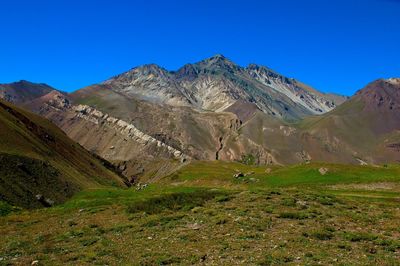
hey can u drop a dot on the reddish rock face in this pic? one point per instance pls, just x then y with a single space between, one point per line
381 94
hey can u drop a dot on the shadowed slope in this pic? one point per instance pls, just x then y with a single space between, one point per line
37 158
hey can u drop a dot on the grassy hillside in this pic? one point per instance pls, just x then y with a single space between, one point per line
315 214
38 158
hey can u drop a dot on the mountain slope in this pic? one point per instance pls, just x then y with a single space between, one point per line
134 133
23 91
368 125
40 165
153 119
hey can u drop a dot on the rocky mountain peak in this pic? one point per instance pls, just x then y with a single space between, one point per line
22 91
150 69
22 82
218 62
25 84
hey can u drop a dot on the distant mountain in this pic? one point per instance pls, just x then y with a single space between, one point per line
367 126
23 91
216 83
40 165
148 121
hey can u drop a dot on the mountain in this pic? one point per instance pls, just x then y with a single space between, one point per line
216 83
23 91
40 165
149 121
134 133
367 127
364 129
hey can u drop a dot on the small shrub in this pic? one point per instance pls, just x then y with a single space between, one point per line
290 202
275 193
88 242
222 198
293 215
197 209
344 246
5 208
322 235
269 210
308 255
248 159
357 237
119 228
329 229
221 220
388 244
326 200
276 260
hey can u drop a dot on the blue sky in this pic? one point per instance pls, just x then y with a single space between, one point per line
335 46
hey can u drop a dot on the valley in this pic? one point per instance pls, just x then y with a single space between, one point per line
213 132
211 164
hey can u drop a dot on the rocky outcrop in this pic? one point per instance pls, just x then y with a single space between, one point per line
126 129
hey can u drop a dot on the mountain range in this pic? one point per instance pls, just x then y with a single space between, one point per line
148 120
216 83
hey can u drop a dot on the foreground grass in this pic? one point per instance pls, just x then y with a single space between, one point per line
202 215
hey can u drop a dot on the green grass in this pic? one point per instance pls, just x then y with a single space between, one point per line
203 215
95 198
6 208
298 175
186 200
293 215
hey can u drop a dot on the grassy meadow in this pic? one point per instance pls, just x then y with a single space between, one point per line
313 214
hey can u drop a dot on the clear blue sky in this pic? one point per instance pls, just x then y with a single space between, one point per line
335 46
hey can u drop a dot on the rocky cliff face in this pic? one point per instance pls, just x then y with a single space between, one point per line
93 125
129 131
